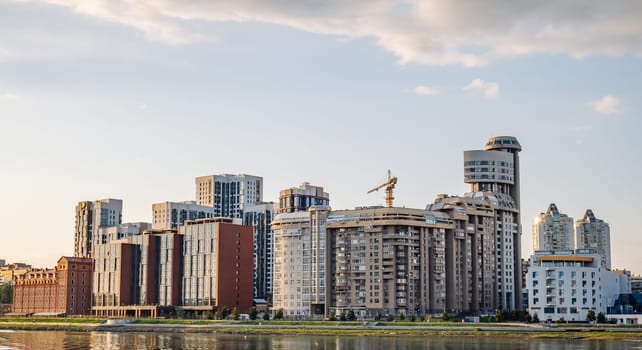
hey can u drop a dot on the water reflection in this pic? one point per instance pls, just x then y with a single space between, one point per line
51 340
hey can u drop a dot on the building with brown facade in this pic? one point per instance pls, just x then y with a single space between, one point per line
218 265
136 275
63 290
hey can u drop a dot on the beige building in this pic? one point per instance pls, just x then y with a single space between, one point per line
301 198
229 194
593 233
553 231
301 258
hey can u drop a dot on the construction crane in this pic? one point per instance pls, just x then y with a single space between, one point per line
389 185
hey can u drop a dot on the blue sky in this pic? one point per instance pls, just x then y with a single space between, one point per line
133 100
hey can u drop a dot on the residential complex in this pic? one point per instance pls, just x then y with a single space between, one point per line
218 265
260 217
301 263
493 174
301 198
90 216
170 215
566 285
593 233
553 231
63 290
229 194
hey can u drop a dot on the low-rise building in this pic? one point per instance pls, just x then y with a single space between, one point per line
63 290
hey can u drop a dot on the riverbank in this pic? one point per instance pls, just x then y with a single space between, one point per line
329 328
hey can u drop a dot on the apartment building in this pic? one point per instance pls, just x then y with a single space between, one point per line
260 217
229 194
90 216
301 198
594 233
170 215
553 230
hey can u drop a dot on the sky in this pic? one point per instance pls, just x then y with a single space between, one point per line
134 99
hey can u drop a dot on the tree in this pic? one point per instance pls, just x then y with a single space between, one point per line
590 316
378 316
252 313
402 316
535 318
266 316
351 316
222 313
279 315
389 318
445 316
6 294
235 313
332 316
342 317
601 318
412 318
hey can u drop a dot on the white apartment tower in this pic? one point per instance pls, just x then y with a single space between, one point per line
91 216
493 174
593 233
229 194
553 231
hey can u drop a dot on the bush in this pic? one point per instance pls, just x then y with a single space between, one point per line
402 316
266 316
342 317
413 318
279 315
590 316
235 313
209 315
351 316
601 318
446 316
378 316
332 316
560 320
389 318
535 318
252 313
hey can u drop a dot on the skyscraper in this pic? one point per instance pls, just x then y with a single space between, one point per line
90 216
229 194
260 217
553 231
493 174
593 233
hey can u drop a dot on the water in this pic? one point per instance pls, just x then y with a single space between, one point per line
52 340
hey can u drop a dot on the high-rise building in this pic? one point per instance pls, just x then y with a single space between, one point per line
169 215
301 263
90 216
218 265
63 290
553 231
593 233
301 198
229 194
493 174
260 217
104 235
135 275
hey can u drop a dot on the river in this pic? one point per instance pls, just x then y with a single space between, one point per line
53 340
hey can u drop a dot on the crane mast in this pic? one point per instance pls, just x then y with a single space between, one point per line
389 185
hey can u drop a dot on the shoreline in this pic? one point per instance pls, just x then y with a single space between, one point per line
474 330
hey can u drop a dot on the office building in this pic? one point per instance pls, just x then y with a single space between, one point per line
170 215
63 290
301 263
260 217
553 231
593 233
568 284
90 216
493 174
218 265
301 198
229 194
137 275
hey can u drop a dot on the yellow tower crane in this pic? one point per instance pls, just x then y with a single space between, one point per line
389 185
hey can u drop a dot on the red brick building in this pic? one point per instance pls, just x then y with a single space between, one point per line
65 289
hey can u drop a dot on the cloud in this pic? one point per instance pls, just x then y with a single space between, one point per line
489 89
436 32
424 90
606 105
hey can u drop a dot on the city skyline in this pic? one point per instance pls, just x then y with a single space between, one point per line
100 102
